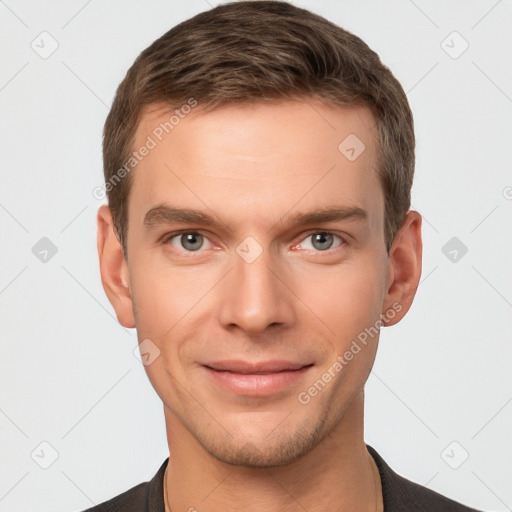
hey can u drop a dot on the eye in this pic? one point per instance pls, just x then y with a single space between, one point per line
190 241
322 241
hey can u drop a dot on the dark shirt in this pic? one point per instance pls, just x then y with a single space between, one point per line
398 493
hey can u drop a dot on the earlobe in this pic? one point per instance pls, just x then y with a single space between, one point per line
405 260
114 269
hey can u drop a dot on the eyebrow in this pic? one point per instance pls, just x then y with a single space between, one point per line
163 214
328 214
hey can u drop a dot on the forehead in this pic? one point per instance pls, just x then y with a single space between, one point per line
247 158
276 124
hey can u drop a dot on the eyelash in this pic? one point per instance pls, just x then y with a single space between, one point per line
342 240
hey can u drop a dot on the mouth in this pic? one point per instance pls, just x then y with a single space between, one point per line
259 379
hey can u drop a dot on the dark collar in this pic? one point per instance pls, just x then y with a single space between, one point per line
402 495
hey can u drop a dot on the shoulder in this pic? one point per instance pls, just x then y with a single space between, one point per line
144 497
132 500
400 494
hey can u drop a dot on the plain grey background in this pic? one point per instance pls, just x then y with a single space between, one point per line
75 399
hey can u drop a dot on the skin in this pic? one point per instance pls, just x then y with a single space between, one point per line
253 168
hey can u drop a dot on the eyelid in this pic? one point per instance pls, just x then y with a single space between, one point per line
165 239
342 237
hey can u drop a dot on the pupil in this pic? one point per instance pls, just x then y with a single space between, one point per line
190 241
324 240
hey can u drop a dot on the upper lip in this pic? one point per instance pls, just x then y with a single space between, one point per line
261 367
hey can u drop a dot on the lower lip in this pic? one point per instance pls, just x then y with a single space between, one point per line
257 385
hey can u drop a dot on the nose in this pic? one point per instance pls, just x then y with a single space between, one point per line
255 296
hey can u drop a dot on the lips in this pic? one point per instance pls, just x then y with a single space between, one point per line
260 368
256 379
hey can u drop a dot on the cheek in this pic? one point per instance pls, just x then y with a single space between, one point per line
164 303
163 296
171 309
345 299
156 309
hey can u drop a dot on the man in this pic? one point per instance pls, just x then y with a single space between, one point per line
258 163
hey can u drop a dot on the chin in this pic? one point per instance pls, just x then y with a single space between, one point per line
276 449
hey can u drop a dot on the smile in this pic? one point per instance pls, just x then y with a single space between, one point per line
256 379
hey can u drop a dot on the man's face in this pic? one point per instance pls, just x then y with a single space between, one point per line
257 289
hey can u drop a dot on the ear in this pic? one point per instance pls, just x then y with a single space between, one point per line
404 269
114 269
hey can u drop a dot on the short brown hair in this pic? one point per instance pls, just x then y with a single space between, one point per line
257 51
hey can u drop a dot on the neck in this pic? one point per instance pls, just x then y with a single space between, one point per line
338 474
